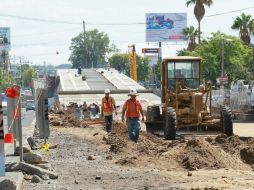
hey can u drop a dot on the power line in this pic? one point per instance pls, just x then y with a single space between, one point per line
45 33
38 19
108 24
229 12
41 44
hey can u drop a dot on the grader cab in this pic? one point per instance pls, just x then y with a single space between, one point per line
186 101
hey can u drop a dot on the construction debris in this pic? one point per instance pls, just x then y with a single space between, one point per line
8 184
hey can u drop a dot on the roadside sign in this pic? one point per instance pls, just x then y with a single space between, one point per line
5 42
150 50
222 80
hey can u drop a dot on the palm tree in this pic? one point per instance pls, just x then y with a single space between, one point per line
244 24
199 10
191 33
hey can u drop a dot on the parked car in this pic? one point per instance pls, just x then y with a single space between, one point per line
30 106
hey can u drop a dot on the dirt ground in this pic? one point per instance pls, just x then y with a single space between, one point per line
88 158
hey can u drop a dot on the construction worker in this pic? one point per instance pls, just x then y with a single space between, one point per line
108 105
132 110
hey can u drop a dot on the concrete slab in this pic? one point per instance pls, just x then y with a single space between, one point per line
11 159
144 98
16 177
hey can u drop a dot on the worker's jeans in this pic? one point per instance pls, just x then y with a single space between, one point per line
108 121
133 128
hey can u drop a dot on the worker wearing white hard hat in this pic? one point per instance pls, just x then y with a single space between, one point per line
106 91
108 105
133 92
132 110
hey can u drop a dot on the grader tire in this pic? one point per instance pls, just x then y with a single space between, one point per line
149 119
170 124
149 128
227 122
152 115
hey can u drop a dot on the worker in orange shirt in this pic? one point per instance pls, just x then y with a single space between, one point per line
132 110
108 105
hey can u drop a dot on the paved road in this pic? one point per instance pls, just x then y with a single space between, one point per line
244 129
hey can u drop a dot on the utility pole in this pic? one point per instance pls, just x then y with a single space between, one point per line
84 35
222 58
45 70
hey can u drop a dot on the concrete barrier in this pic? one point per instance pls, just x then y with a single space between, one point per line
102 91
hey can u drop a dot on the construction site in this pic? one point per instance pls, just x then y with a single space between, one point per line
87 157
127 95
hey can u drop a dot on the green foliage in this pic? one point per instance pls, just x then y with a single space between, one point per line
97 47
199 11
158 70
120 62
191 34
5 80
244 24
29 73
144 70
237 57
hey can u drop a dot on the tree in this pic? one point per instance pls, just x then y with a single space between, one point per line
191 33
237 57
121 63
29 73
144 70
199 11
157 70
97 46
244 24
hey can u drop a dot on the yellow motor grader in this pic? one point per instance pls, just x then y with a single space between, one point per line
186 101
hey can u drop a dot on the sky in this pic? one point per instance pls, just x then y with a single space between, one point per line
38 41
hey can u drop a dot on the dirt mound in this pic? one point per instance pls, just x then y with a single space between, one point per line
242 147
191 154
247 155
116 143
129 161
118 139
197 153
219 152
66 120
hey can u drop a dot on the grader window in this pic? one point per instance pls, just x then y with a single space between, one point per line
187 71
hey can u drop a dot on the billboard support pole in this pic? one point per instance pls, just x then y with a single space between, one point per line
160 52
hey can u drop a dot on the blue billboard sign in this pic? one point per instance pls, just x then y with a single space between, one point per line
165 26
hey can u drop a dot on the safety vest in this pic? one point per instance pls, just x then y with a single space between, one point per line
107 105
132 112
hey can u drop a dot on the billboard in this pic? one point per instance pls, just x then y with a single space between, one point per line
165 26
5 39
